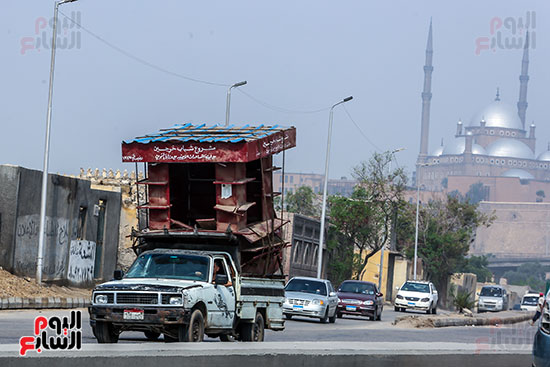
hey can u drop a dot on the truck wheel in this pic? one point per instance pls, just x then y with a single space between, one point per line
151 335
105 333
253 332
194 332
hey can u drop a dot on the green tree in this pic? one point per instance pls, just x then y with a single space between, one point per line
445 231
477 265
532 275
302 202
476 193
364 220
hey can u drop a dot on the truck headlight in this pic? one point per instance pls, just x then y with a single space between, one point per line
176 301
101 299
318 302
368 303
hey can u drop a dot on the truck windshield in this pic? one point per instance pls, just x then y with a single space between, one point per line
416 287
490 292
306 286
188 267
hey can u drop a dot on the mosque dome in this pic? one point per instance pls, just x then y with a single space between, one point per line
438 151
458 145
514 172
545 156
498 114
506 147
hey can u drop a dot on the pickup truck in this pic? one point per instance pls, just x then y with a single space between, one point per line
185 295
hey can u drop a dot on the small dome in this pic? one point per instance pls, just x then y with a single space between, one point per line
458 145
514 172
438 151
498 114
545 156
506 147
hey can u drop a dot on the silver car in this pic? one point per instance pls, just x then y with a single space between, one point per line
310 297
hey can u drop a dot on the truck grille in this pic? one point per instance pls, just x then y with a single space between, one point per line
137 298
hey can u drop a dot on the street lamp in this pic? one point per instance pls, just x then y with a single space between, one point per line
228 102
323 211
40 257
383 246
417 209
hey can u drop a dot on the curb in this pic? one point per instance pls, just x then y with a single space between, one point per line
18 303
471 321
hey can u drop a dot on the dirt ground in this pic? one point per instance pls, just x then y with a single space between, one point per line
14 286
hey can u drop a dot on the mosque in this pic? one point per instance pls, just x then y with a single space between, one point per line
496 148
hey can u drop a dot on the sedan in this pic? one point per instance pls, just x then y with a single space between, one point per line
361 299
310 297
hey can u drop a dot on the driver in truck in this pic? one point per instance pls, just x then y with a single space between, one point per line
218 269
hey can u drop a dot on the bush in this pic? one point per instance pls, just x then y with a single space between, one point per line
462 300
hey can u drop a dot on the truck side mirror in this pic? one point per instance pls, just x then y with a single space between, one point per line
118 274
221 279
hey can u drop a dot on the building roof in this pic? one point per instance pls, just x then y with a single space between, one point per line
507 147
188 143
498 114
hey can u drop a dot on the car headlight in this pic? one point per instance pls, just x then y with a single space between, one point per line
176 301
339 300
424 300
101 299
368 303
399 296
318 302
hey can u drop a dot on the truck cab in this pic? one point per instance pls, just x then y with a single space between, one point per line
185 295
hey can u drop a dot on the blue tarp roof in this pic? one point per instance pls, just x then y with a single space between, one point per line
212 134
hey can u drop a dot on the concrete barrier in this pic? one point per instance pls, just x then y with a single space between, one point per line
305 354
438 321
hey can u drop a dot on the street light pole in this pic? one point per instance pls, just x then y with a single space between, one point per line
43 199
324 207
417 210
380 271
228 102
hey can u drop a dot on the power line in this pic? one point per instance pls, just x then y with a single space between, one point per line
360 130
142 61
281 109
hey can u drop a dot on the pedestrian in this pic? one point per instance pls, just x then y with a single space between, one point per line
540 307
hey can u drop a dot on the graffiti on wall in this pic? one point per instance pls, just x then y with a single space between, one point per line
56 246
81 262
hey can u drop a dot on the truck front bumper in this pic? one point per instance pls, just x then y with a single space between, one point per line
152 316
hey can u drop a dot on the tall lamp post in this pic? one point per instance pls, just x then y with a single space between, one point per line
416 225
324 210
228 102
380 272
44 195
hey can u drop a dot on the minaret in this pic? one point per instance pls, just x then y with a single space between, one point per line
426 96
523 80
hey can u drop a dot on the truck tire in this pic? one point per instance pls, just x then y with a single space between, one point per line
253 332
105 333
194 332
151 335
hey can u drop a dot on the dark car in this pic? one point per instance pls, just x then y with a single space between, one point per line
360 299
541 344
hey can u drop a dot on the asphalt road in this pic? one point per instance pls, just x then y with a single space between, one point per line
15 323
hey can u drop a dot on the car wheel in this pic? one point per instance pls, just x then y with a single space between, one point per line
253 332
434 310
324 319
194 332
288 316
379 317
429 311
396 309
151 335
332 319
339 315
105 333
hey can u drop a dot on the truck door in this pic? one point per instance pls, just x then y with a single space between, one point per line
224 298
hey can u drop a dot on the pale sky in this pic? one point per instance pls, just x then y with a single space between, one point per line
297 55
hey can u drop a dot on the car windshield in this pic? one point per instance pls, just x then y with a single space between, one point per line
188 267
490 292
356 287
530 300
306 286
416 287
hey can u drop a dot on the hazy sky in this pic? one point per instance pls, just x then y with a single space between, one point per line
298 55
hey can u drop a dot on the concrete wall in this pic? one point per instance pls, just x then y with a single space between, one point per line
66 222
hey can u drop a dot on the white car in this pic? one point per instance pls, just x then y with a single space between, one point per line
417 295
529 302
